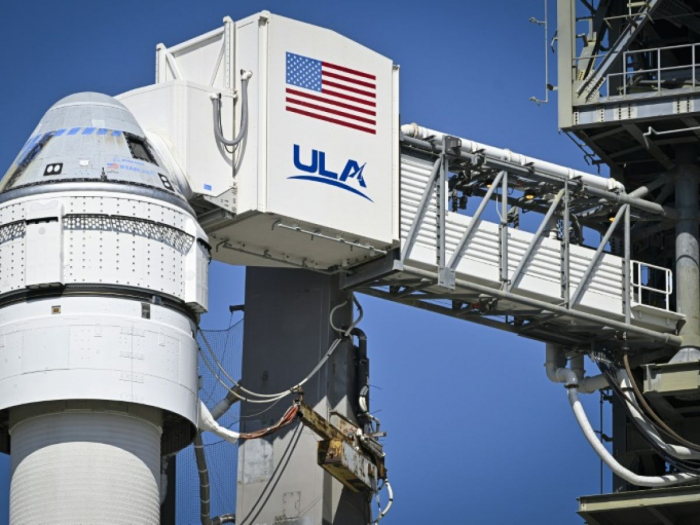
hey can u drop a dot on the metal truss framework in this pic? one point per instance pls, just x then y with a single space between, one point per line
628 86
571 202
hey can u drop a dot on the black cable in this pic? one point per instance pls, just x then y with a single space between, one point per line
223 355
611 375
650 411
274 479
678 464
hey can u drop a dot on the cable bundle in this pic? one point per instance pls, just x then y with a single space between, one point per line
648 424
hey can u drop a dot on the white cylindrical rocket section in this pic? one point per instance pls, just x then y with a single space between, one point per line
80 466
103 274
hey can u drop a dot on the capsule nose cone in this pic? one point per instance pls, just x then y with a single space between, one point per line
89 109
89 98
89 138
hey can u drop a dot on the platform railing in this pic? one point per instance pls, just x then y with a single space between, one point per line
652 285
657 76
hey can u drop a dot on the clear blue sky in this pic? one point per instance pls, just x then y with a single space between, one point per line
477 434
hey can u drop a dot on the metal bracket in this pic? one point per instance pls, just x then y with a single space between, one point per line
450 143
446 278
349 462
371 271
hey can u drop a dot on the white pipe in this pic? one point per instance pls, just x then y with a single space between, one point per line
611 462
576 364
557 373
469 146
555 367
592 384
207 423
677 451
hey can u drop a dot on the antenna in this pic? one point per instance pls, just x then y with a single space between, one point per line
547 86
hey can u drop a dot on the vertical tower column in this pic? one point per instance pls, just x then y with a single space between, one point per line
687 271
287 332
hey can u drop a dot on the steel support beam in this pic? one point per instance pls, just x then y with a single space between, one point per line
422 209
535 240
565 250
627 270
667 339
566 47
630 32
649 145
474 318
473 223
596 256
441 203
503 232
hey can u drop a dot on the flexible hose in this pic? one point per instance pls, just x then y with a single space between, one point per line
389 503
243 130
676 451
681 465
206 422
205 488
620 471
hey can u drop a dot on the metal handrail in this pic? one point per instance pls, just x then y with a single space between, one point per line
638 283
658 70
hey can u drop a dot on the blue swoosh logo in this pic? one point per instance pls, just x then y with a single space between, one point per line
331 182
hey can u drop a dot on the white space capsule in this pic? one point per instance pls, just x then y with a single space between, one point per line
103 273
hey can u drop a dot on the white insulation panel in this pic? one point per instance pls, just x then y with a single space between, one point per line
103 239
98 348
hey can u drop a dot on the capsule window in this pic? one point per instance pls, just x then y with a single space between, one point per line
32 151
140 148
53 169
166 182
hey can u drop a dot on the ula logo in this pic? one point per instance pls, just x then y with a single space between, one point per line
318 172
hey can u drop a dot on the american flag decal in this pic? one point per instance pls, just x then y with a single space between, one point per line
331 92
